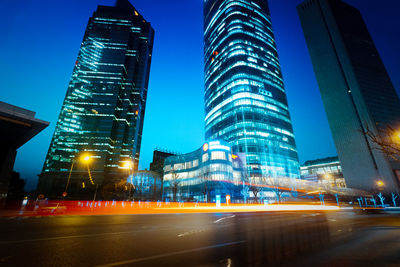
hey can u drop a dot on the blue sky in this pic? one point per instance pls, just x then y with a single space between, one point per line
41 38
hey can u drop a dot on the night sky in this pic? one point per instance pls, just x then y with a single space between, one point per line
40 40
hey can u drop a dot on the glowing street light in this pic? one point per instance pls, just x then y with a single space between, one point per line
380 183
127 165
86 158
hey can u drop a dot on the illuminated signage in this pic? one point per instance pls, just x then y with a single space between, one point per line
205 147
217 145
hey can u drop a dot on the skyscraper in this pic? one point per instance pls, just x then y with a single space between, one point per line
245 99
356 90
103 110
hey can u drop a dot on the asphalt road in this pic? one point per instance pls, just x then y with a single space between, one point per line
236 239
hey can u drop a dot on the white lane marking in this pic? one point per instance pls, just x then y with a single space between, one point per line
223 218
63 237
169 254
191 232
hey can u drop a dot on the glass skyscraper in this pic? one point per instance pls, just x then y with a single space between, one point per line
245 99
103 110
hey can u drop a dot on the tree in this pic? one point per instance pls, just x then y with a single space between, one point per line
174 184
116 189
255 189
245 191
275 186
205 178
388 141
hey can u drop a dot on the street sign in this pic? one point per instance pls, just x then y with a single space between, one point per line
218 200
228 199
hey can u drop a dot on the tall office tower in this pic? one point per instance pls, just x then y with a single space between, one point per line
103 110
245 100
356 90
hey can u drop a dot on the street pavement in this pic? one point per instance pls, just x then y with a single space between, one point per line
208 239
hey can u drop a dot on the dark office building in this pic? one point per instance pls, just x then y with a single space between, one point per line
17 126
245 99
356 90
103 111
157 165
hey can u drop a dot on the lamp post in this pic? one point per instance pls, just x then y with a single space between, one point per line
87 158
64 194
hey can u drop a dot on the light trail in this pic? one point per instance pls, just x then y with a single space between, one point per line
138 207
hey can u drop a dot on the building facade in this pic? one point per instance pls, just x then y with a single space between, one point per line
17 126
159 156
103 110
245 99
326 171
205 173
356 90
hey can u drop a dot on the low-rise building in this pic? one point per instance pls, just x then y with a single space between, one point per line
326 171
17 126
159 156
204 174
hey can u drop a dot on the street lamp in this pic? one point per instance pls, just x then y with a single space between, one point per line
64 194
380 183
86 158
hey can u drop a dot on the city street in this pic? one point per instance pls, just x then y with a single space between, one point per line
229 239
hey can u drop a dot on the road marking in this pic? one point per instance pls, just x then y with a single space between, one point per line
223 218
170 254
191 232
63 237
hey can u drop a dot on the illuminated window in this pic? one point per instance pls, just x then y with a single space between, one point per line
205 157
218 155
195 163
178 166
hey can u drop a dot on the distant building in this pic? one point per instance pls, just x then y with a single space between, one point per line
326 171
147 185
157 165
356 91
205 173
245 98
17 126
103 111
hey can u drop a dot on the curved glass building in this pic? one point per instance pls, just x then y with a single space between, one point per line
205 173
245 99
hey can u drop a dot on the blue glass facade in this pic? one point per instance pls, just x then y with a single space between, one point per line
103 110
245 99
